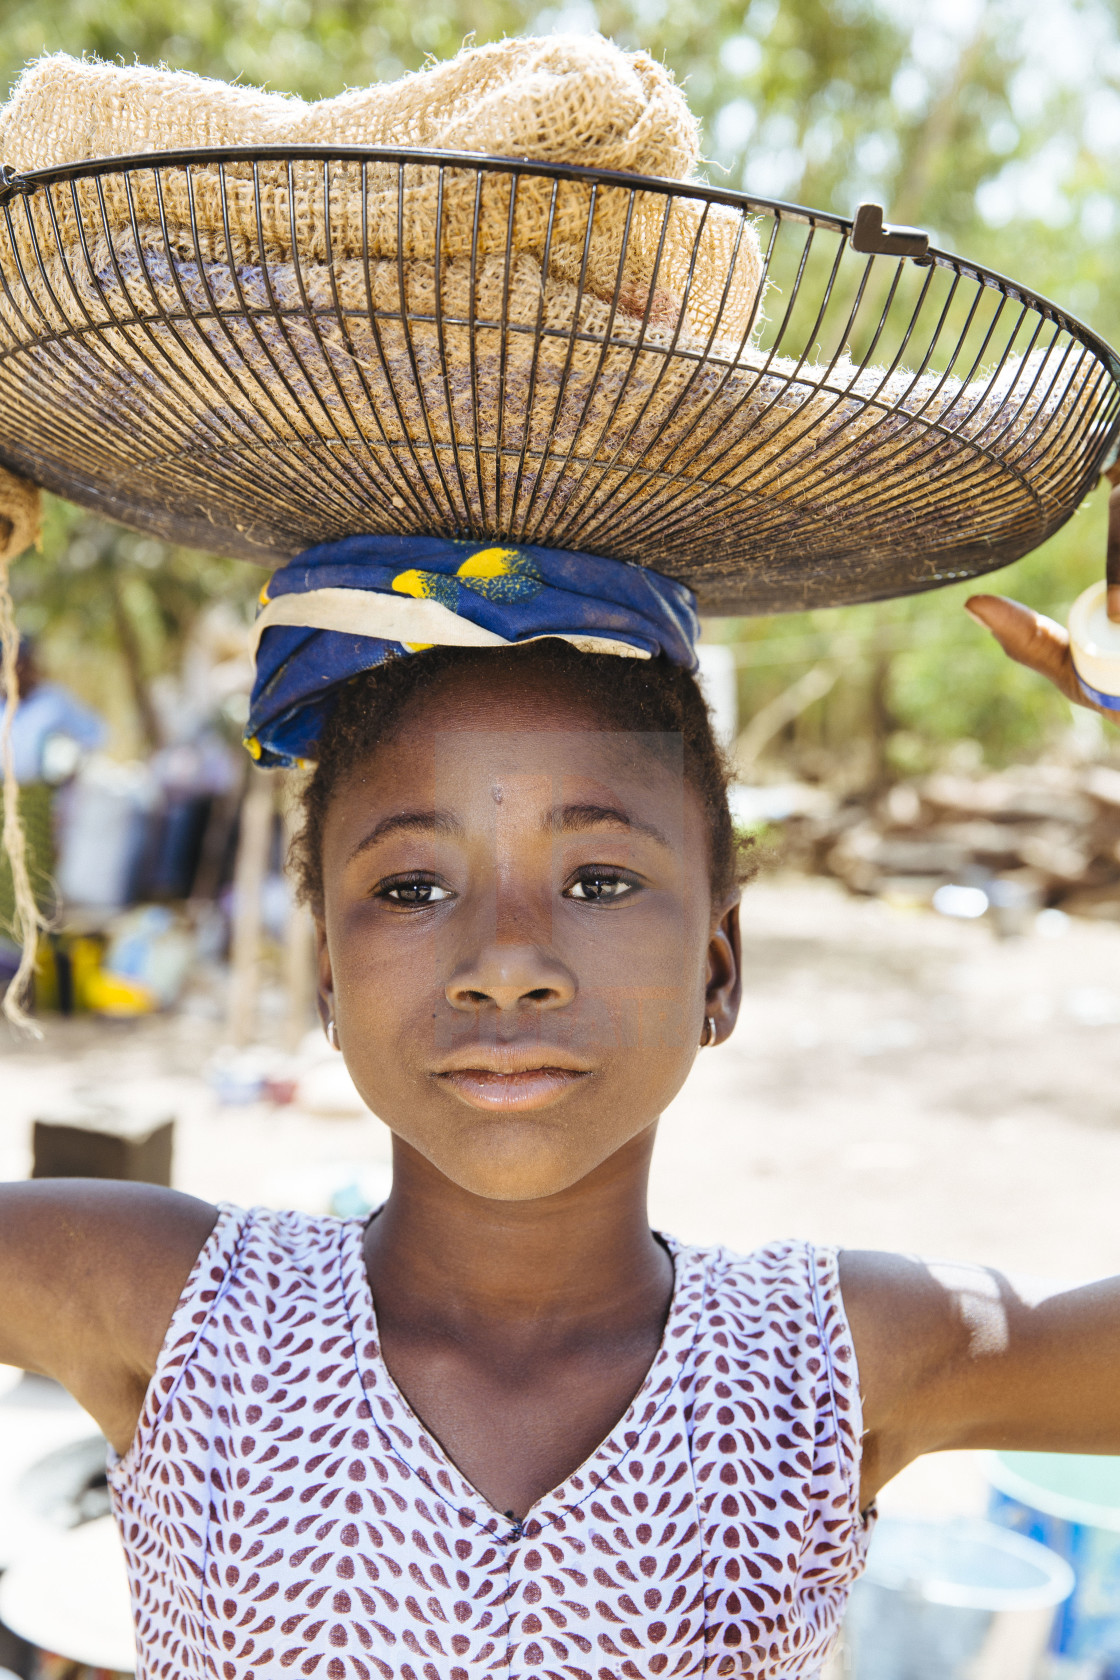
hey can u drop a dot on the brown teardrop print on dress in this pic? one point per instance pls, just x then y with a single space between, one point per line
284 1512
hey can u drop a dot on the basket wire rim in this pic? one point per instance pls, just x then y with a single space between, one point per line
21 182
1104 378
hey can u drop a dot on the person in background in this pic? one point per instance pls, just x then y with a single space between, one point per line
51 732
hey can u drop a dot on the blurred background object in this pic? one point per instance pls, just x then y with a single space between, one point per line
1071 1504
99 1136
957 1600
63 1593
67 1597
51 733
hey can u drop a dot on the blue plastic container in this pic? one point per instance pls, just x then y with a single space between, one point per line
1070 1503
957 1600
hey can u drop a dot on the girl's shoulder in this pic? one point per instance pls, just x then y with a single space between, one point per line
260 1273
255 1258
771 1333
252 1248
782 1293
789 1283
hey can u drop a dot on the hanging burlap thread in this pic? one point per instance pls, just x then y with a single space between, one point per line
19 530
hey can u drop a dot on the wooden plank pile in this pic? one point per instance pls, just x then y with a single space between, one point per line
1033 836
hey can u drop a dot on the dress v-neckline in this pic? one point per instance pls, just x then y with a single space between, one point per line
399 1423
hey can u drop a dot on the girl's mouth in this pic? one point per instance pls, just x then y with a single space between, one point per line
513 1092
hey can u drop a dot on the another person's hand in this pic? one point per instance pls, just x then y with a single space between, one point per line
1035 640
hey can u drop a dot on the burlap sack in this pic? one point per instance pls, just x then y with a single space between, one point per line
562 99
558 99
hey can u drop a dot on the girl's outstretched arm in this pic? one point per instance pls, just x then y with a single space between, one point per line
959 1356
90 1274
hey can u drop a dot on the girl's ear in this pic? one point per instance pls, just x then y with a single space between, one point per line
324 1000
724 989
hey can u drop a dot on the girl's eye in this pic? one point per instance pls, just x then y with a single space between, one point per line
600 887
412 894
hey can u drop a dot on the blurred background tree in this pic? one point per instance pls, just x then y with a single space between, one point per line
995 124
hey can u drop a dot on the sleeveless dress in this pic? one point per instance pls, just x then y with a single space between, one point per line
284 1511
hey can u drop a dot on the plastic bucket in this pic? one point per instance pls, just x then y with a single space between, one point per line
960 1600
1070 1503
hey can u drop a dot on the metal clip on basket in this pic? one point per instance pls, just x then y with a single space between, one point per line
253 350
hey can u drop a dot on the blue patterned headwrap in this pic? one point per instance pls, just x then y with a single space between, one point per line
343 607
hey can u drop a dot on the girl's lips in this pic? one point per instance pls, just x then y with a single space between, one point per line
512 1092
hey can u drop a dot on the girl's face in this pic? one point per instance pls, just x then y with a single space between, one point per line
519 946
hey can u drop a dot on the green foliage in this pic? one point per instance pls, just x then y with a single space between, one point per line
288 45
995 125
111 610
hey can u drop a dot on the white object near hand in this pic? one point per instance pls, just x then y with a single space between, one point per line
1094 645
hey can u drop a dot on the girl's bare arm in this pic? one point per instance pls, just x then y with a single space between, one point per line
960 1356
90 1273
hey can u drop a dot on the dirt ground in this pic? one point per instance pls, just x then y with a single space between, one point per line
897 1080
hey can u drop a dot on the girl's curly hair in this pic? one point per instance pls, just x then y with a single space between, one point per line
647 695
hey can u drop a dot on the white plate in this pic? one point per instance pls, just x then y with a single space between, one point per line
69 1595
30 1433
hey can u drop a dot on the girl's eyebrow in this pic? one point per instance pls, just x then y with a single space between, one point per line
574 819
562 819
412 822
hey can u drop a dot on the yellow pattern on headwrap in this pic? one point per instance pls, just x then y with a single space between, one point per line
501 574
414 582
497 574
489 563
423 585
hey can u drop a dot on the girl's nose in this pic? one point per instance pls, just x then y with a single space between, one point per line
507 976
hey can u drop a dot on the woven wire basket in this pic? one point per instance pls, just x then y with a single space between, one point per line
251 351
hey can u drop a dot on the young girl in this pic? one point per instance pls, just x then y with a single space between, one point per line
503 1428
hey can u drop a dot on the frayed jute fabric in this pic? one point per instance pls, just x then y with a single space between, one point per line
562 99
557 99
19 530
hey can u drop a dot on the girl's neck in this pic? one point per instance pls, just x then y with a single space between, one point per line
519 1332
583 1260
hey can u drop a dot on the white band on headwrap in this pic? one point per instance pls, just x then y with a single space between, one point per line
399 618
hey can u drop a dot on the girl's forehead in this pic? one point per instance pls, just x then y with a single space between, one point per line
521 718
460 763
548 789
610 752
471 770
475 742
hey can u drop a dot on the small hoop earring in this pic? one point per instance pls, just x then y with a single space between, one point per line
709 1032
332 1034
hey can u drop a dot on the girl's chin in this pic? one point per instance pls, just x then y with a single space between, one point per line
514 1161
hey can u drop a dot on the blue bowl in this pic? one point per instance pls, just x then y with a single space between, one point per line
1071 1503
